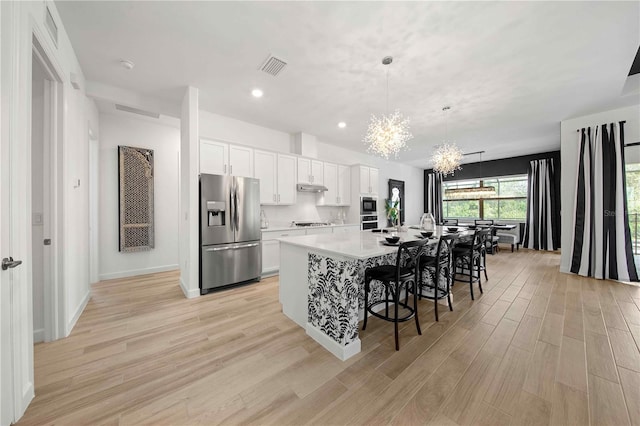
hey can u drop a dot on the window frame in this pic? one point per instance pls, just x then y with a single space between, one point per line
481 207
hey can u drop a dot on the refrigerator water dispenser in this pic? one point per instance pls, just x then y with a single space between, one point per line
216 210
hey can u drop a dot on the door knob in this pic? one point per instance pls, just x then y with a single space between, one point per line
10 263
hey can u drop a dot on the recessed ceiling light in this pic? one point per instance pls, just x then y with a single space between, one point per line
257 93
127 64
342 124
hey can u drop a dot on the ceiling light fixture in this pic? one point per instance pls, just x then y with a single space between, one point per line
257 93
388 134
342 124
473 192
447 156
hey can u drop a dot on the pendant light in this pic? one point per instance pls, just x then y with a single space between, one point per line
447 156
473 192
388 134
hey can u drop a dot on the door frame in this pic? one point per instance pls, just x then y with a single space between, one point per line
21 36
52 204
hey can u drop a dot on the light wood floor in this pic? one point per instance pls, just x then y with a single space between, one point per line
539 347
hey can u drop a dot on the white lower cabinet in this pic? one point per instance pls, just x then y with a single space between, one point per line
271 245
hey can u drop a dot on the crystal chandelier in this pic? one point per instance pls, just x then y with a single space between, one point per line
447 157
388 134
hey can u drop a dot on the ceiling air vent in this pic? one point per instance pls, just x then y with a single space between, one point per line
273 65
137 111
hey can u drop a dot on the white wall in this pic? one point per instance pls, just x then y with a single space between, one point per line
121 129
569 152
217 127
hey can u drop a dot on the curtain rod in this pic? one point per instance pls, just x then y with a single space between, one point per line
621 122
631 144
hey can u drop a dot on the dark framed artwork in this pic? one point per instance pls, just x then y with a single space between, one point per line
135 200
396 191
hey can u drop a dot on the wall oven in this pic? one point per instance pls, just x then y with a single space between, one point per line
368 205
368 222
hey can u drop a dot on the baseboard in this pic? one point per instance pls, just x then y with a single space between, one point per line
38 335
78 312
135 272
340 351
189 293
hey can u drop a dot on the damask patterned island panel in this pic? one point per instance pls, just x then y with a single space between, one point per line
322 284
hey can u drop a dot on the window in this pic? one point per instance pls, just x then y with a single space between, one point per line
509 203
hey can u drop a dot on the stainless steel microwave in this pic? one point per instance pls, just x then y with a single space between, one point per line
368 205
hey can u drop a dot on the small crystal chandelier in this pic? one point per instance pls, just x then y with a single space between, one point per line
388 134
447 157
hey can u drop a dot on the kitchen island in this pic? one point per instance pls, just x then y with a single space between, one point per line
322 283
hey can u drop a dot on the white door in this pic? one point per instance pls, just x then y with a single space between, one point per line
240 161
265 171
304 170
286 179
214 157
344 185
373 180
330 197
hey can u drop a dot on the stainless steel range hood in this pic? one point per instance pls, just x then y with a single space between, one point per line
307 187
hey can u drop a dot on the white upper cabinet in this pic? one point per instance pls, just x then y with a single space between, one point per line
240 161
266 171
304 170
368 180
373 180
277 174
337 179
317 172
330 176
310 171
219 158
214 157
286 179
344 185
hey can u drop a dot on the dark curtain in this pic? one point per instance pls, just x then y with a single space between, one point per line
602 238
543 207
433 196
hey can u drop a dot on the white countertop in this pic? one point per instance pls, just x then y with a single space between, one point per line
289 227
356 244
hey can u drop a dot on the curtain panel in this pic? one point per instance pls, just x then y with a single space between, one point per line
434 196
543 207
602 239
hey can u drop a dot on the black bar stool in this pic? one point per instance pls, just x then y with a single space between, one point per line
470 255
394 277
439 264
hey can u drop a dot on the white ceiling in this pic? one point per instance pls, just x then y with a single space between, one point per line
510 70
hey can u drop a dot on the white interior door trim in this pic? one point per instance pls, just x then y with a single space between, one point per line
54 305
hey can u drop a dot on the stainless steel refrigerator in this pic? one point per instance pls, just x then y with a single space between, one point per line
230 247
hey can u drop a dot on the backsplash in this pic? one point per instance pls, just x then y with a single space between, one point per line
305 210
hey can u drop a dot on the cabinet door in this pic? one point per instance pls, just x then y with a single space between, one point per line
344 185
317 172
364 180
286 189
330 197
265 171
240 161
270 256
373 180
304 170
214 157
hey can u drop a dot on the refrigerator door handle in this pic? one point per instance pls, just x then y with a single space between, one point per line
239 246
232 206
236 202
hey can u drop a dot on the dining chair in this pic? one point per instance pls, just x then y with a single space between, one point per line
469 257
394 277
